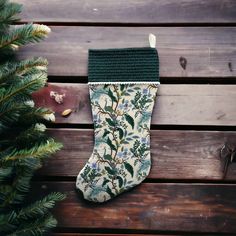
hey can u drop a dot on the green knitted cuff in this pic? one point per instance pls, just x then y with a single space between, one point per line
125 65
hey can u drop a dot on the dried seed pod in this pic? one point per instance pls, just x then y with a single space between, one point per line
66 112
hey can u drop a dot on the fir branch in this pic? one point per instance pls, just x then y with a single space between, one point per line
25 145
10 221
21 91
21 35
9 114
5 172
39 151
34 115
40 207
6 224
20 68
8 12
28 137
36 228
15 193
20 115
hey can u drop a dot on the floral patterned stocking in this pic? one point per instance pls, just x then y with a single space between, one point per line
123 86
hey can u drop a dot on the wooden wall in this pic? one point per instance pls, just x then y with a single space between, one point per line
194 116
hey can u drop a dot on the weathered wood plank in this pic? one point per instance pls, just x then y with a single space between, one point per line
176 104
133 11
95 234
175 154
209 51
172 207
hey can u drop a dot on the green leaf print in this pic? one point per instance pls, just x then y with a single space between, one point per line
110 94
112 146
108 157
105 181
130 120
108 190
108 108
106 132
109 170
121 133
120 180
129 168
110 122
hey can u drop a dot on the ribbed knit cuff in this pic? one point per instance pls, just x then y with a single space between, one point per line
125 65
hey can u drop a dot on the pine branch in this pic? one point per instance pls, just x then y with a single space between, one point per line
20 68
8 12
20 115
23 143
5 172
9 114
14 193
36 228
34 115
21 35
28 137
41 207
39 151
21 91
6 224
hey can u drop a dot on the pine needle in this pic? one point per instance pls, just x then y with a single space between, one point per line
22 35
40 151
41 207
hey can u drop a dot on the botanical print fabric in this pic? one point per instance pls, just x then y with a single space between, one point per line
121 155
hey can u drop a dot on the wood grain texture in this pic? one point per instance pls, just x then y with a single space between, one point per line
175 154
132 11
175 105
172 207
97 234
208 50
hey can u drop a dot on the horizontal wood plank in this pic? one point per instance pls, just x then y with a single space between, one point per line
176 104
209 51
95 234
175 154
132 11
172 207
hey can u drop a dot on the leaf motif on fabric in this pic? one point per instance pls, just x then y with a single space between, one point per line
121 133
105 181
110 171
130 120
110 122
108 157
129 168
108 190
112 146
120 180
110 94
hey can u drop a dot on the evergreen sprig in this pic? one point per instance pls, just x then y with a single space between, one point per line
22 35
8 12
23 142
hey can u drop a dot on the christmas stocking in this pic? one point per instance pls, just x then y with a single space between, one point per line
123 86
